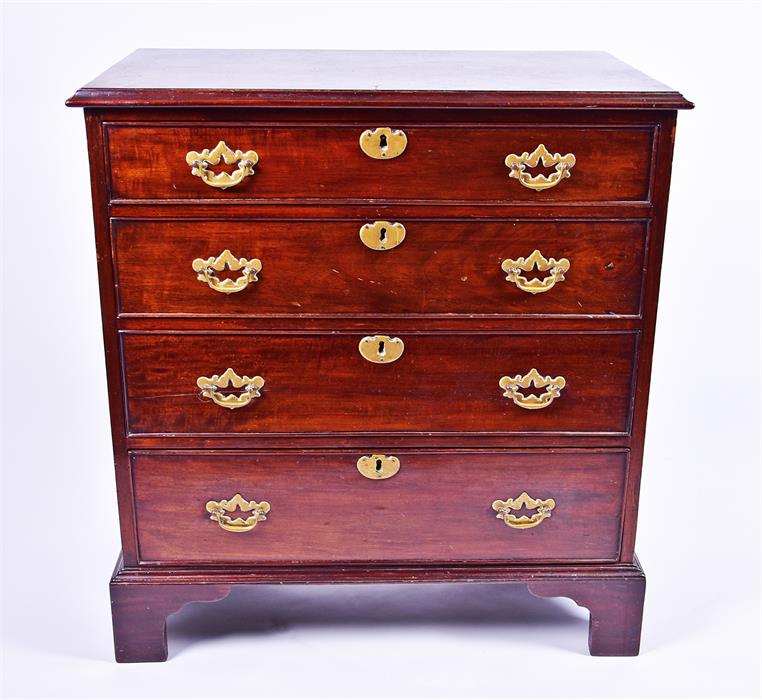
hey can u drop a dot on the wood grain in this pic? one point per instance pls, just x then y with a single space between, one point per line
320 383
439 407
616 610
214 77
441 163
143 597
437 508
322 267
139 616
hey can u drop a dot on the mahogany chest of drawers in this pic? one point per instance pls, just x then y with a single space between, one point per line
377 317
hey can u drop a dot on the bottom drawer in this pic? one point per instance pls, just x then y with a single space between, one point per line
438 507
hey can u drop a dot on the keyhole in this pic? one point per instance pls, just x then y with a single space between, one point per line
382 141
379 466
382 237
381 347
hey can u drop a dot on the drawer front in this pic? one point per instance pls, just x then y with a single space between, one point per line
320 383
324 267
320 508
440 163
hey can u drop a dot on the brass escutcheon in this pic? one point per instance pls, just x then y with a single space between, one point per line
383 143
378 466
381 349
382 235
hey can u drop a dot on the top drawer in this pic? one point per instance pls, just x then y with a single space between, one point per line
326 162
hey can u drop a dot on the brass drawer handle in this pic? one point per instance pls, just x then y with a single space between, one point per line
200 163
378 466
556 268
523 522
381 349
383 143
219 510
210 388
511 385
382 235
518 165
207 267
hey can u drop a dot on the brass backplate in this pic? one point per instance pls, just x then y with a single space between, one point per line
219 513
200 162
552 386
382 235
523 522
381 349
519 163
378 466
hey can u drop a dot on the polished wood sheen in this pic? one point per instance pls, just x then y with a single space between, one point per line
560 79
442 267
324 510
438 408
321 383
612 164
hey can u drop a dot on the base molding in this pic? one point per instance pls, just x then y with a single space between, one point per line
143 597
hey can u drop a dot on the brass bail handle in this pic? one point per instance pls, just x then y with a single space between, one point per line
200 161
518 164
541 507
207 269
512 389
211 386
556 270
219 513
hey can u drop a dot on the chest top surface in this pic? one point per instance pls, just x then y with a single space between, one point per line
248 78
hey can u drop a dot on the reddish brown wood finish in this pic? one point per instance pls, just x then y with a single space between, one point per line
616 610
106 283
340 99
320 383
423 79
620 206
662 174
322 267
612 592
139 615
440 163
437 508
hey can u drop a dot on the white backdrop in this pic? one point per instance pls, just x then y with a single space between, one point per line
699 519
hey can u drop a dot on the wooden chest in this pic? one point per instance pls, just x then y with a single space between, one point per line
377 317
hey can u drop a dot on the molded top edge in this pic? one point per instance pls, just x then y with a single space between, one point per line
254 78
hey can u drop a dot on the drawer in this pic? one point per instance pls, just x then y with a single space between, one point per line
321 383
325 161
324 267
320 508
